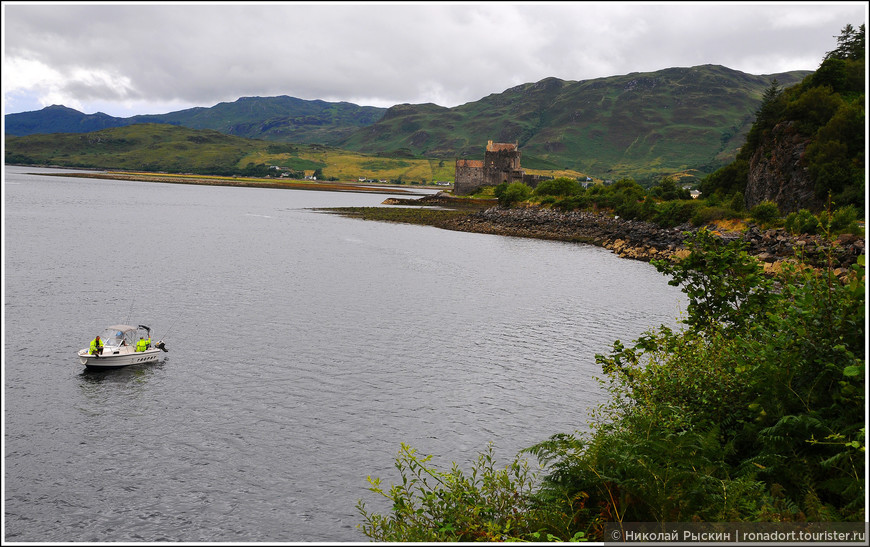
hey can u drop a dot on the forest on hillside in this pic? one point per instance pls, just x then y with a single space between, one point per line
827 110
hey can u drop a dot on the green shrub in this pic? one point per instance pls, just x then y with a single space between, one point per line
845 219
510 194
559 187
738 202
629 209
648 209
754 412
674 213
706 215
487 504
765 212
572 203
731 178
724 283
802 222
667 189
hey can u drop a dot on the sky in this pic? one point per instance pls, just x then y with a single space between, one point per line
129 58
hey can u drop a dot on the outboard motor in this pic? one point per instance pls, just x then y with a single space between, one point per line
162 346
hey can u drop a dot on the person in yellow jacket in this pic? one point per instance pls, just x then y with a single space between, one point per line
142 344
96 346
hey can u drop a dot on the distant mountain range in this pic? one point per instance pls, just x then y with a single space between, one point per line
639 125
285 119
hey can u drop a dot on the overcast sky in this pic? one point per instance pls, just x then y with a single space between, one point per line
152 58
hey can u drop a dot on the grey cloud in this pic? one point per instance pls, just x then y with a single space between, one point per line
393 53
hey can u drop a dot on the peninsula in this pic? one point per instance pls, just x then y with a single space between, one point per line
633 239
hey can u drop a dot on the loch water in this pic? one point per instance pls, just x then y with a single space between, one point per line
304 348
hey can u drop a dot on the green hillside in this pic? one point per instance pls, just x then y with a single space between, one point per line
58 119
283 118
169 148
638 125
145 147
677 121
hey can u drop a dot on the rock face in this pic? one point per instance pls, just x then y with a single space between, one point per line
776 172
646 241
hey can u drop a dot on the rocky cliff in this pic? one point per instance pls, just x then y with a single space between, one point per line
776 172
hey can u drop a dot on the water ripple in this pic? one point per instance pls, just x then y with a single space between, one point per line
305 348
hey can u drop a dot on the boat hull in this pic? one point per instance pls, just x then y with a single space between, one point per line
119 358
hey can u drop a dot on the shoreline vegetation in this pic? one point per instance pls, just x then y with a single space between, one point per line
635 239
753 411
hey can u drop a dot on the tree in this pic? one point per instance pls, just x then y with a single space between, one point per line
765 212
668 190
733 177
757 418
768 100
560 187
738 202
725 285
850 44
769 112
509 194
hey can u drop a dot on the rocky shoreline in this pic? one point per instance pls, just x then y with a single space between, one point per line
627 238
646 241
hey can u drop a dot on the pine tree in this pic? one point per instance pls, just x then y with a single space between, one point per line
850 44
771 94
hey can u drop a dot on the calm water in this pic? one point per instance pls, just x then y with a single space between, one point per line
303 349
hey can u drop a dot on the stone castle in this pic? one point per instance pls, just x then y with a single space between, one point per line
501 163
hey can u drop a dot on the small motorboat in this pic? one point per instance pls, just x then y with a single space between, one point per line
119 348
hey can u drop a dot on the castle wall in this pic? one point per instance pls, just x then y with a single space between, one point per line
532 181
501 163
468 177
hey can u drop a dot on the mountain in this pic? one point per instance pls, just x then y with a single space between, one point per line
141 147
59 119
639 125
285 119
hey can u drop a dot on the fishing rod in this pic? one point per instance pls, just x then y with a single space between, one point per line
170 328
130 313
160 340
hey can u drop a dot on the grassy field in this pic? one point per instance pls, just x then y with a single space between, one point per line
172 149
351 166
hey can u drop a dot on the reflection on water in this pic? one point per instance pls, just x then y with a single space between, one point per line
130 374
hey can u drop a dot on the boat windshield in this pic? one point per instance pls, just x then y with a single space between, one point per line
119 335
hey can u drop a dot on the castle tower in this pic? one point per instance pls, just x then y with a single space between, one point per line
501 163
